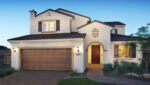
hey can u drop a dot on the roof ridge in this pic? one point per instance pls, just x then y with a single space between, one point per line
73 13
92 22
53 11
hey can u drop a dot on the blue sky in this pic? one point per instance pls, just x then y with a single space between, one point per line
14 14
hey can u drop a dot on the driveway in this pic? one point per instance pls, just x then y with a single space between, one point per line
34 78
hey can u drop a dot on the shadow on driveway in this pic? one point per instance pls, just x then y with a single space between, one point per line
27 77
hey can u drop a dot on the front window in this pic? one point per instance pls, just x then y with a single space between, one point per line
124 51
49 26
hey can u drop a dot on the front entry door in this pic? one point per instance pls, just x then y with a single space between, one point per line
95 54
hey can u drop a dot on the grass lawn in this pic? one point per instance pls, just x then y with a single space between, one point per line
81 81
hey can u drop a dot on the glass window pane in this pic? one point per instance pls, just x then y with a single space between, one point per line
49 25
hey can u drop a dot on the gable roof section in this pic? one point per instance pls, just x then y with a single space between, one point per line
114 23
93 22
117 37
50 36
73 13
54 11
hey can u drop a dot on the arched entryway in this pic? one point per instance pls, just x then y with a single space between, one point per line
95 54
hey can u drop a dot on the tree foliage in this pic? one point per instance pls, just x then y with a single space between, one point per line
143 37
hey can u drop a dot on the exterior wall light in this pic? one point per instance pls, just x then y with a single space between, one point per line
13 49
78 51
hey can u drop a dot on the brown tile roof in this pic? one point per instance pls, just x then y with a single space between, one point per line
73 13
92 22
114 23
53 11
50 36
118 37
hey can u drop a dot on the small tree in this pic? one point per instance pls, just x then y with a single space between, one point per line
143 39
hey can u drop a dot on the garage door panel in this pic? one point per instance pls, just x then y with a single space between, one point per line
47 59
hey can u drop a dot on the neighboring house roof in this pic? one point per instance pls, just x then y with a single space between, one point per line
53 11
3 48
114 23
50 36
73 13
117 37
93 22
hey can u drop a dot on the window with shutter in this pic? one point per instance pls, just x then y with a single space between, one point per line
133 52
116 51
124 51
49 26
40 26
57 25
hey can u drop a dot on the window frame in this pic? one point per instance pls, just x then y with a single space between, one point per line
125 54
95 32
53 20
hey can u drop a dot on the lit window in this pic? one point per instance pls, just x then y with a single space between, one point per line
95 32
124 51
49 25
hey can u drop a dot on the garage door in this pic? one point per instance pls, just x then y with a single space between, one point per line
46 59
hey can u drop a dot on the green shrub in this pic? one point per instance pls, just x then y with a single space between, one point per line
136 78
115 71
1 64
129 67
116 64
2 74
10 71
107 68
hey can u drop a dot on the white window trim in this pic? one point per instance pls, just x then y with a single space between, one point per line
43 30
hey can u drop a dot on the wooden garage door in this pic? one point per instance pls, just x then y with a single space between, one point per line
46 59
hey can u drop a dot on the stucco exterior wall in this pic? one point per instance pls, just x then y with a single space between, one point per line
78 60
103 38
64 21
138 53
77 22
120 29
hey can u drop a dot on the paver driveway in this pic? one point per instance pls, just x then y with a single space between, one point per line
34 78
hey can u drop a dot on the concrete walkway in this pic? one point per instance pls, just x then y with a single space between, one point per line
96 74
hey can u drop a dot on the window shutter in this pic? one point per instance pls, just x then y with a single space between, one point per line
133 52
116 32
40 26
57 25
116 51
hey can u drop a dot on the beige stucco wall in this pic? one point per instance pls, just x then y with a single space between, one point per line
103 38
78 60
64 21
138 53
77 22
120 28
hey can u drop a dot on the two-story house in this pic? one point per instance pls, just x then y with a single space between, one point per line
64 40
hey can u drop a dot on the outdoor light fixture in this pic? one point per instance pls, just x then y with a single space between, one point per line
78 51
13 49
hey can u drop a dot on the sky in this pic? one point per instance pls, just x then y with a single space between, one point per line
15 18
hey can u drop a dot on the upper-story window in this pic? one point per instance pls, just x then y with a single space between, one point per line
114 31
49 26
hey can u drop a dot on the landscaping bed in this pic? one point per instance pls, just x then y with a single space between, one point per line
81 81
128 70
5 70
